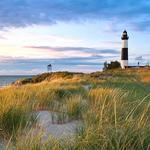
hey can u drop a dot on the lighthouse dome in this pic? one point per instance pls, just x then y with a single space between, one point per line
125 35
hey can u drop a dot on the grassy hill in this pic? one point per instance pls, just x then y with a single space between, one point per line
113 106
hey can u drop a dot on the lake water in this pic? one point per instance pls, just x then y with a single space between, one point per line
6 80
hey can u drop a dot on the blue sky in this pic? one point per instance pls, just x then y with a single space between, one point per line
72 35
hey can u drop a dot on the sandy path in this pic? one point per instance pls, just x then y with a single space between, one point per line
58 131
2 145
87 87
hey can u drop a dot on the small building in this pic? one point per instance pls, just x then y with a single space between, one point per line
49 68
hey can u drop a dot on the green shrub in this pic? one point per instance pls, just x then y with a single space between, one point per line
15 119
75 106
111 65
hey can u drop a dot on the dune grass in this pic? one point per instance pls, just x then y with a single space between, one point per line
114 111
112 123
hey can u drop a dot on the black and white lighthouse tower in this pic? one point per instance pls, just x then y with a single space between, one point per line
124 51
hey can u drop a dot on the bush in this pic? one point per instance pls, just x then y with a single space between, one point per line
111 65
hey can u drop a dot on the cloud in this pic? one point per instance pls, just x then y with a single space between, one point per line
144 57
94 51
35 66
26 66
139 58
93 58
21 13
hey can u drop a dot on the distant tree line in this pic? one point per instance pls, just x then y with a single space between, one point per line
111 65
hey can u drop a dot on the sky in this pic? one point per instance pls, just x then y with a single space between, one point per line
72 35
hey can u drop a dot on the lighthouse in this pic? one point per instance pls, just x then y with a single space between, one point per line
124 51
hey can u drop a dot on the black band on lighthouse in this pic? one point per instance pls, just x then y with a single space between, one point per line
124 54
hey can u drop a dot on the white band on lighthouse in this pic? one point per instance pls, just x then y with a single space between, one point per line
124 43
124 63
